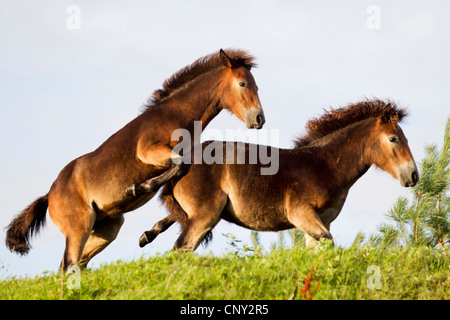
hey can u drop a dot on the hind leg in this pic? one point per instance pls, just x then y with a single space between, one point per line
103 233
75 220
193 234
202 216
201 220
160 226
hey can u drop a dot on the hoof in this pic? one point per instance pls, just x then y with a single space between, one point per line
147 237
131 191
143 241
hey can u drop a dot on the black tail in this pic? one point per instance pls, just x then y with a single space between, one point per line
25 225
176 212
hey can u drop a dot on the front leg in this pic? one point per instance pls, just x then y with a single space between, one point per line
153 184
306 219
311 242
161 156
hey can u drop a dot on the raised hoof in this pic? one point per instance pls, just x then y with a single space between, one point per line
143 241
146 238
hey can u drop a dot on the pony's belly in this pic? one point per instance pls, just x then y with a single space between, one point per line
259 218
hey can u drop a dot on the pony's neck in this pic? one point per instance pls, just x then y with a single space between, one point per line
197 101
345 151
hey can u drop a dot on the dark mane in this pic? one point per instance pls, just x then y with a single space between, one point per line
336 119
192 71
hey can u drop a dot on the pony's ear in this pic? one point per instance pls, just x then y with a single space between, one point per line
385 117
394 118
226 60
390 117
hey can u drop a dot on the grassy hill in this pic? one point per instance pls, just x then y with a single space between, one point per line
328 273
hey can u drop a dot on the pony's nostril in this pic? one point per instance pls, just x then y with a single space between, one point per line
414 177
259 119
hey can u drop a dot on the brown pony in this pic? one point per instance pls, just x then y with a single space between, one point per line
88 199
310 187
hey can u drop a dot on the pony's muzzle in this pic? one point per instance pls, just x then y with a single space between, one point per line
408 174
254 118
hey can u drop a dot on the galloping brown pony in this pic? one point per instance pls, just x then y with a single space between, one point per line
310 187
88 199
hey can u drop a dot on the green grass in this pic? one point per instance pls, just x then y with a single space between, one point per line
405 273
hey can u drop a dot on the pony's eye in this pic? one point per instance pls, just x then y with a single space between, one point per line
393 139
242 84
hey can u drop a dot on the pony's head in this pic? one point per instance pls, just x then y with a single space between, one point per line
386 146
228 74
238 89
390 150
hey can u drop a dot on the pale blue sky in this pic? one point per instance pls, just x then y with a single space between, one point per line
63 92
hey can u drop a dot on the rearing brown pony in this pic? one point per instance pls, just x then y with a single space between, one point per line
88 199
310 187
